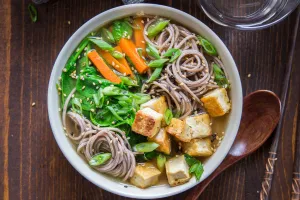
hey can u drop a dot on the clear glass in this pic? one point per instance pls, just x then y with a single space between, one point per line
247 14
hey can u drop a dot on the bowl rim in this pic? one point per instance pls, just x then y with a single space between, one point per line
53 113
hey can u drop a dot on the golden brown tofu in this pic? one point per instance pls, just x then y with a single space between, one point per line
164 141
198 126
216 102
158 104
177 171
176 128
145 175
147 122
198 147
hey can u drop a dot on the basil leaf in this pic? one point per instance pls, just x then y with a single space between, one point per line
33 13
157 63
168 116
145 147
117 54
207 46
101 44
220 77
99 159
152 51
157 27
107 35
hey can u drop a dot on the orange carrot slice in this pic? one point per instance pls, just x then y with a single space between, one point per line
129 49
115 63
139 35
102 67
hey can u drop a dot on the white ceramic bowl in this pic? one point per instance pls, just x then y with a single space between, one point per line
68 149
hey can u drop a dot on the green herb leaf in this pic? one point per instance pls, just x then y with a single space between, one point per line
168 116
207 46
121 29
76 105
161 161
152 51
107 35
145 147
195 165
155 75
101 43
117 54
220 77
157 27
99 159
33 13
158 63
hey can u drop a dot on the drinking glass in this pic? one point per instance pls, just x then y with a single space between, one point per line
247 14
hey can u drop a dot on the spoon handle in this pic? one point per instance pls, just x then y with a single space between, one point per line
267 182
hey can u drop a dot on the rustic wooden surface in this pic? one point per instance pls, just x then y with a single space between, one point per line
31 164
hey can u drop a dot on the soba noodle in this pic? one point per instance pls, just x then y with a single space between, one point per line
186 80
92 140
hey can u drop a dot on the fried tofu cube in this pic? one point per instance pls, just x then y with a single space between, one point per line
177 171
216 102
176 128
158 104
163 139
198 126
145 175
198 147
147 122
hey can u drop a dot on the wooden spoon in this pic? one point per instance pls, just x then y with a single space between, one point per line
261 113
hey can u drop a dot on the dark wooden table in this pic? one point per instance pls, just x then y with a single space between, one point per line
31 164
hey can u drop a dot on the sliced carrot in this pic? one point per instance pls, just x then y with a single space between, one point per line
139 35
129 49
102 67
122 60
115 63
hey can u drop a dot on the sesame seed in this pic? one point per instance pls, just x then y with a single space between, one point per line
33 104
249 75
142 21
148 19
64 70
80 100
73 95
59 109
146 33
69 22
94 83
92 110
83 87
77 49
128 37
113 63
117 66
143 42
65 95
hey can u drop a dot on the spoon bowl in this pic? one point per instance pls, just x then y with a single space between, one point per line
261 114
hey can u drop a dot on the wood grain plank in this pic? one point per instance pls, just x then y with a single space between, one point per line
5 50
